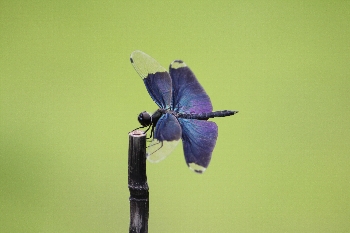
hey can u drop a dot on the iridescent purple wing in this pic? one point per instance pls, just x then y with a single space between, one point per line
188 95
198 139
155 77
167 135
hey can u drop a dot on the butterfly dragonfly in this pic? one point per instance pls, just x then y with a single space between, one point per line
184 110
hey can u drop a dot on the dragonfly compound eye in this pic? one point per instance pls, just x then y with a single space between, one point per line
144 118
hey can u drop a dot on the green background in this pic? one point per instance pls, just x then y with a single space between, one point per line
69 96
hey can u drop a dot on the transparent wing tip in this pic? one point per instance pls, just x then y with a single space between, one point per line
134 53
145 64
155 158
197 168
159 150
177 64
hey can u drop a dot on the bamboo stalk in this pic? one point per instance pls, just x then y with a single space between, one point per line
137 182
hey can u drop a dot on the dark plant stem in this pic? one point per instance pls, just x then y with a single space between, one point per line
137 181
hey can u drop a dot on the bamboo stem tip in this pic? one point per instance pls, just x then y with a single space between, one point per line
137 133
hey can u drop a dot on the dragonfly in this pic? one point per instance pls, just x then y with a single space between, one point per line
183 113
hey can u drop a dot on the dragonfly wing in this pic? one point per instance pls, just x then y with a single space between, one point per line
198 139
167 135
155 77
188 94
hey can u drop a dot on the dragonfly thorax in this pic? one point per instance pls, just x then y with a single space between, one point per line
147 119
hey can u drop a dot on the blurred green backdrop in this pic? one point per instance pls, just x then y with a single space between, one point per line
69 96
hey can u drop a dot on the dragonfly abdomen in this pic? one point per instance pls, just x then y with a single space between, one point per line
206 115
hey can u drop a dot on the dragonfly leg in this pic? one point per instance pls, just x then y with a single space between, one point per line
152 131
161 142
138 128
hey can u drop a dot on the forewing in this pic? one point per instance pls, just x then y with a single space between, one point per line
167 135
198 139
188 94
155 77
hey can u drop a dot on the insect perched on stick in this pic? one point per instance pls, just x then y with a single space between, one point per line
184 110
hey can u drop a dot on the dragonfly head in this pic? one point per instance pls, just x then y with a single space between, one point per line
144 118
